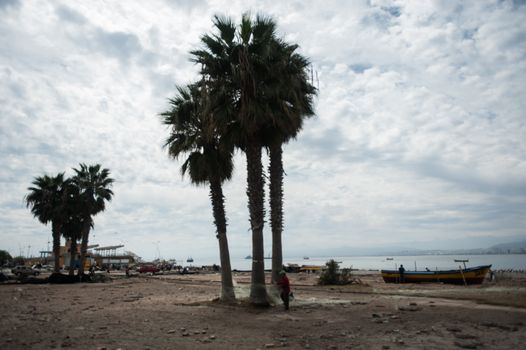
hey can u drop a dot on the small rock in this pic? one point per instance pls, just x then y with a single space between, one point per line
212 336
185 334
409 308
385 347
171 331
464 336
454 329
375 315
269 345
467 344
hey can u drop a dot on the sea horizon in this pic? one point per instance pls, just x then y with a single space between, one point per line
379 262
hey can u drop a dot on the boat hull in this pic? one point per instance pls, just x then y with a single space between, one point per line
473 275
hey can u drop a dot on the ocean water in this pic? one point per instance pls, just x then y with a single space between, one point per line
433 262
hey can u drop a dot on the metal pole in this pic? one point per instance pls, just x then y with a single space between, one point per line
462 273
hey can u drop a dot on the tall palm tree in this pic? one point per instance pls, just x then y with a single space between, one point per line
235 64
46 199
93 183
209 161
292 102
260 83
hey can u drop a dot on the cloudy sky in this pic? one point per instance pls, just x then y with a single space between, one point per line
419 138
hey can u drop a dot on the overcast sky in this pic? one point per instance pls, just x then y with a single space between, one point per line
419 138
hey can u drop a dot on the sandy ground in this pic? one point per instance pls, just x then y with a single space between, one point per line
181 312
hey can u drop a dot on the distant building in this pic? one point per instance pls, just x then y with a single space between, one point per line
97 256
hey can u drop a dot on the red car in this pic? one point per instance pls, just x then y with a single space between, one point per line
149 268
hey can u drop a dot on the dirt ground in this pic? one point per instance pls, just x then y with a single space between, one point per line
181 312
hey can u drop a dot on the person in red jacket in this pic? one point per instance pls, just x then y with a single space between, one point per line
284 288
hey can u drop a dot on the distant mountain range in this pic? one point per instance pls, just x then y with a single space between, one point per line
502 248
517 247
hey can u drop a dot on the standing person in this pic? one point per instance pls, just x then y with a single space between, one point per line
401 270
284 287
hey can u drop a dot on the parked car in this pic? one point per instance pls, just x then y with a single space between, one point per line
47 268
25 271
148 268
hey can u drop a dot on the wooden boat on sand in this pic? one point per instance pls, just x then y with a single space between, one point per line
473 275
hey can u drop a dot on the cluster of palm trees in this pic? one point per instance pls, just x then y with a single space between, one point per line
70 204
253 93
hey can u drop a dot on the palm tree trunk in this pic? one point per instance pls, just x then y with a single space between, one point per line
276 208
73 253
218 207
55 230
255 193
84 245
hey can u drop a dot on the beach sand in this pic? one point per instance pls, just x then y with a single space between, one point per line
182 312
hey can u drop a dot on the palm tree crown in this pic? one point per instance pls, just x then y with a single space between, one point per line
194 133
47 200
94 186
46 197
93 183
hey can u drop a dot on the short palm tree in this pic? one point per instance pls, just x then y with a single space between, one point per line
209 161
46 199
94 185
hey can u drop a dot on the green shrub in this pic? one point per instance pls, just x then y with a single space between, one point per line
5 257
333 275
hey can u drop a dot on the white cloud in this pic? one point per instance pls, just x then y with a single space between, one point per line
419 133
